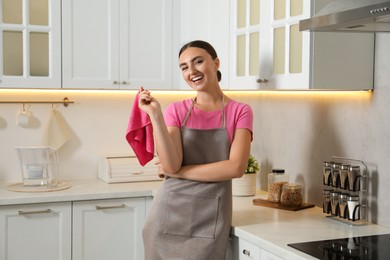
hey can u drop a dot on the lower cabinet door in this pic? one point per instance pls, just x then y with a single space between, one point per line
244 250
108 229
265 255
36 231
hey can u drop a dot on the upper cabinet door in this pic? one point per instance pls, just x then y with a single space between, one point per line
249 43
206 20
267 47
30 40
117 44
145 44
289 47
90 44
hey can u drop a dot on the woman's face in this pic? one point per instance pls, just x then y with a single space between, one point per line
198 68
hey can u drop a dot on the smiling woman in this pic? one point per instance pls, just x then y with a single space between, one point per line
202 143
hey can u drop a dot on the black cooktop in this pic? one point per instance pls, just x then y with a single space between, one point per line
362 248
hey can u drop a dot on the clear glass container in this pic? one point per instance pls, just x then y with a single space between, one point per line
39 165
291 195
354 177
334 202
276 179
353 207
343 199
336 175
327 173
326 208
344 176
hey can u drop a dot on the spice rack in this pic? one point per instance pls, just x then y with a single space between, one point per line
345 190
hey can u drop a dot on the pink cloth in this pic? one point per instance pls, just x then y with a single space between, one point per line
139 134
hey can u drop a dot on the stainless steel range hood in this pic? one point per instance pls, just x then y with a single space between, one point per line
371 18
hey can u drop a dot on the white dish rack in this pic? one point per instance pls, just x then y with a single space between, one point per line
126 168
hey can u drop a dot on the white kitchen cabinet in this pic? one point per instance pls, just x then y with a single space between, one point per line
117 44
269 52
244 250
36 231
265 255
266 43
206 20
108 229
30 44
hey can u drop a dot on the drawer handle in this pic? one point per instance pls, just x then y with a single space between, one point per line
45 211
111 207
246 252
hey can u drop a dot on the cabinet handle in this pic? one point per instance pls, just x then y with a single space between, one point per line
246 252
124 83
262 80
111 207
45 211
115 82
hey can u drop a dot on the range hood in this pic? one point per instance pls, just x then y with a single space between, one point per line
371 18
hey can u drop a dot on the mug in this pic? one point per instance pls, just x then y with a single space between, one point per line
23 118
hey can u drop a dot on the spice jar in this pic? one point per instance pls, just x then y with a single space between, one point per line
334 202
344 176
291 195
276 179
343 205
326 208
336 175
327 173
354 177
353 207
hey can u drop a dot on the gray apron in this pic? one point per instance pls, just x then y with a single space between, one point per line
191 219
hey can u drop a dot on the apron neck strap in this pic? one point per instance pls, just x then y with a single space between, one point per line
193 104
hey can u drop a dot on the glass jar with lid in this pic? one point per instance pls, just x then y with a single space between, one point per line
327 173
276 179
326 208
291 195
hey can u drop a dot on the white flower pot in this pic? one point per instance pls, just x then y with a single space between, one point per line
244 186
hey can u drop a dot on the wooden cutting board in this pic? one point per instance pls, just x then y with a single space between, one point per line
278 205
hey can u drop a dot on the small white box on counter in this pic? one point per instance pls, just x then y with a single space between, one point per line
114 169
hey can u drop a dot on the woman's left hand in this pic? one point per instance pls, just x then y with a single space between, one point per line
162 173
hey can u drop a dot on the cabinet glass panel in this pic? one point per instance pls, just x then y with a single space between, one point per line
12 53
255 12
295 49
296 7
38 12
39 54
279 9
241 53
254 51
279 50
241 13
12 11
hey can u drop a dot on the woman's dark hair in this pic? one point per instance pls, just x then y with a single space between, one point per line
205 46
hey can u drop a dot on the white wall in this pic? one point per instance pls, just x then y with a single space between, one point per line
296 131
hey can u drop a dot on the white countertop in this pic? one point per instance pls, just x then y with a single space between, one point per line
81 190
268 228
272 229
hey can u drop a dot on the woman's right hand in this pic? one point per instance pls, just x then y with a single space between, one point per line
147 102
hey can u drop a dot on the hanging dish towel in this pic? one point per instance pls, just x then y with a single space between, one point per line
139 134
57 132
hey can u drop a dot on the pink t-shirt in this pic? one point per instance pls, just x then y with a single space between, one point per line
238 115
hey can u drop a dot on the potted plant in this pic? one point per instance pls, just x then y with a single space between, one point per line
246 185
